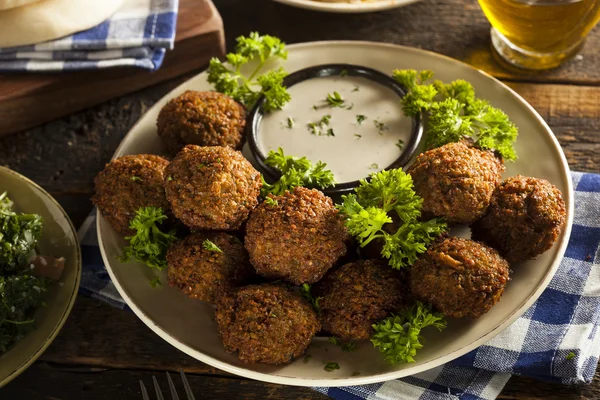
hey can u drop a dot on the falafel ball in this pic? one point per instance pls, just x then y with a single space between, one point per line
359 294
128 183
201 118
459 277
206 274
212 187
266 323
524 218
296 239
456 181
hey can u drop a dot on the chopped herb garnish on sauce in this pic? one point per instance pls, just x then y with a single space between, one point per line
400 144
374 166
335 100
355 88
350 346
208 245
335 341
307 358
381 126
360 118
355 373
357 135
330 366
320 128
155 282
330 132
290 122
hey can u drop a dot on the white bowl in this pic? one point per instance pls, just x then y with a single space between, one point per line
188 324
348 6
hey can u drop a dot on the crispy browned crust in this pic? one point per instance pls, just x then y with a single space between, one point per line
359 294
456 181
266 323
201 118
524 219
298 239
212 188
128 183
204 274
460 277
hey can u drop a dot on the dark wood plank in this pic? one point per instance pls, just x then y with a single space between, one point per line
50 382
456 28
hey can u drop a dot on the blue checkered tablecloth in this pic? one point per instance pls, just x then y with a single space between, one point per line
137 35
556 340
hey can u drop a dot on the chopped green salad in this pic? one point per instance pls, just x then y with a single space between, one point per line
20 291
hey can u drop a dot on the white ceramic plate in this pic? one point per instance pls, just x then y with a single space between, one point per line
188 324
348 6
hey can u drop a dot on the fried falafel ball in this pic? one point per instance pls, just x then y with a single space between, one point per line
359 294
296 239
459 277
266 323
201 118
456 181
205 274
524 219
128 183
212 187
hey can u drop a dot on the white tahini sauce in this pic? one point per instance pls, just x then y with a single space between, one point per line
356 150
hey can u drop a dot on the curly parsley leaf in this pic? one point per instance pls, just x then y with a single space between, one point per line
330 366
210 246
369 211
454 113
295 172
19 235
149 244
247 89
398 336
314 301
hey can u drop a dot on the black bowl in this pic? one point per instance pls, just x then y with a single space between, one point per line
255 116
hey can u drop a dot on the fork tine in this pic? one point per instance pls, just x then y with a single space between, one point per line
159 395
172 387
186 385
144 391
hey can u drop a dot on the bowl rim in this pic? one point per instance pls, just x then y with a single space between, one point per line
73 296
569 200
254 117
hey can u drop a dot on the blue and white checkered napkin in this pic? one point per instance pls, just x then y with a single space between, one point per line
136 35
557 339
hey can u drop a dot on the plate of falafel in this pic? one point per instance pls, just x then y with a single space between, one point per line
270 278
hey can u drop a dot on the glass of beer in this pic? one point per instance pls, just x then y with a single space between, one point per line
540 34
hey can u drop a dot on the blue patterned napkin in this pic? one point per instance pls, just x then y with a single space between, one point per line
137 35
557 339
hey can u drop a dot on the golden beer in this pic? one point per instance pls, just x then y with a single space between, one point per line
540 34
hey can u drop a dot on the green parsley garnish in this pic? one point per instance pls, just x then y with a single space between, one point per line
317 128
136 179
169 178
357 135
248 89
314 302
374 166
330 132
335 341
454 113
273 315
307 358
290 122
570 356
355 373
155 282
398 336
381 126
335 100
360 118
330 366
400 144
350 107
149 244
355 88
350 346
271 201
208 245
370 209
295 172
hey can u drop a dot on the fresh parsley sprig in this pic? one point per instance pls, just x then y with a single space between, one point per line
295 172
398 337
372 207
314 301
248 88
454 113
210 246
149 244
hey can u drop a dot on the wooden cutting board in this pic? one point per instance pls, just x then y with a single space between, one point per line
28 100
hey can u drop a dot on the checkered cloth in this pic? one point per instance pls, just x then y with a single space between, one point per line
137 35
555 340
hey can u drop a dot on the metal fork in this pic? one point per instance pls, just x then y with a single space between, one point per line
174 396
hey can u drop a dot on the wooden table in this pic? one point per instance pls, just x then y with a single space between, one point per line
103 352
